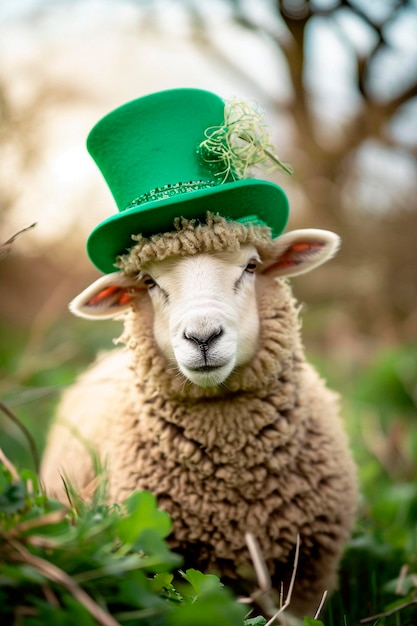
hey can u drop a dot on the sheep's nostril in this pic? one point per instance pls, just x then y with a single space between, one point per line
203 341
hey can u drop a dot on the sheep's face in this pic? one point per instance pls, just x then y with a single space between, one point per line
205 312
205 305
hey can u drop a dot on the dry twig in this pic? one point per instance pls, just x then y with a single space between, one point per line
320 606
9 466
6 247
44 520
287 602
263 593
400 581
261 570
396 609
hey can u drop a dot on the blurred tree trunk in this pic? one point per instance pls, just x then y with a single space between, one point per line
376 265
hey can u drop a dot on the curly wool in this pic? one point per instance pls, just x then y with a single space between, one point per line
191 237
272 460
266 453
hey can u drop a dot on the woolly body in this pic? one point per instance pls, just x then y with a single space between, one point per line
264 453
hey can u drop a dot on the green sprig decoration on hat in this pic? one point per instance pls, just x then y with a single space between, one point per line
241 142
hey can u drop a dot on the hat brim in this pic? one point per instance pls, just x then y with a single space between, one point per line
230 200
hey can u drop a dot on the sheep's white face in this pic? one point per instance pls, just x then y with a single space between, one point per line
205 306
205 312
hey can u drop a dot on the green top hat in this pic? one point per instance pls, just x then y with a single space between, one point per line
148 152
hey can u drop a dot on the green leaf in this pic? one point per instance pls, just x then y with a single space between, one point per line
13 498
217 608
255 621
143 514
161 581
159 557
309 621
202 583
135 592
162 585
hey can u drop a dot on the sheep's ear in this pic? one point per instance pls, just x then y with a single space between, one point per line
107 297
300 251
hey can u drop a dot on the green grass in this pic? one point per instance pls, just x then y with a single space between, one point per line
97 564
379 404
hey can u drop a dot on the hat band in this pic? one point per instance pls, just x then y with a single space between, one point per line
167 191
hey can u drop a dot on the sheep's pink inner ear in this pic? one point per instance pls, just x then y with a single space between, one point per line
297 254
110 297
300 251
107 297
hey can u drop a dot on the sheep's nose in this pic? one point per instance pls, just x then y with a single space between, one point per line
203 341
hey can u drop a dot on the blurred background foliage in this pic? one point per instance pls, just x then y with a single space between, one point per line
338 82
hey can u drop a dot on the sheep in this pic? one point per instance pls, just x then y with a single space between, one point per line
212 406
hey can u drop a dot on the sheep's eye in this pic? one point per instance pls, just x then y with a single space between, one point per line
149 282
251 266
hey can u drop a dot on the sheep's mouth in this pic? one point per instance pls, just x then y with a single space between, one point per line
205 368
208 375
